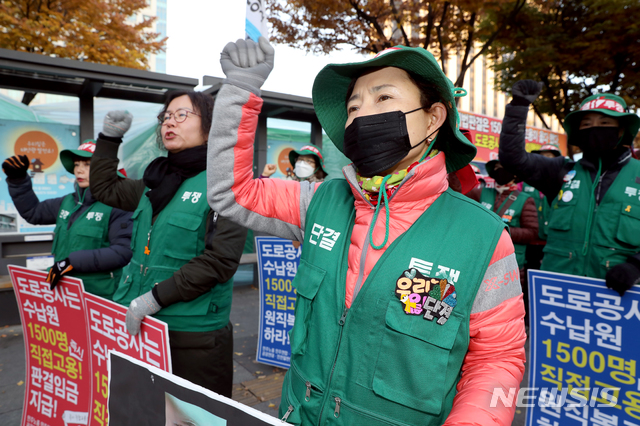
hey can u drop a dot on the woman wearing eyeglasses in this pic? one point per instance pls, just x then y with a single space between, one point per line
184 254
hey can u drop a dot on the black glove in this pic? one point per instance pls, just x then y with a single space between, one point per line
57 271
524 92
16 166
624 276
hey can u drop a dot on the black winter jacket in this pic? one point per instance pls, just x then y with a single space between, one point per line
224 240
37 212
546 174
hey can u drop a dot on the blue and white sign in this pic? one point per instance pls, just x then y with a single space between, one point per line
278 262
584 353
41 143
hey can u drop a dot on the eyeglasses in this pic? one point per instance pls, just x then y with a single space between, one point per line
180 116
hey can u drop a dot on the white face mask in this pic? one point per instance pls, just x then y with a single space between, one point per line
303 170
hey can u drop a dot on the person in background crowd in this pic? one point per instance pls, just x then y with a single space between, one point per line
517 209
307 163
388 277
184 254
594 226
534 249
91 240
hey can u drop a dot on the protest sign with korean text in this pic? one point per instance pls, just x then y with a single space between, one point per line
64 329
107 331
278 262
584 351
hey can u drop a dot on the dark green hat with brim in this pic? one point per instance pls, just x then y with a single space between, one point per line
607 104
332 84
307 150
86 150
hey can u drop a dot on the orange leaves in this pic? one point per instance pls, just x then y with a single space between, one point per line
90 30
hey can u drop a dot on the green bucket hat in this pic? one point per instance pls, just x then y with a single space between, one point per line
607 104
332 83
307 150
86 150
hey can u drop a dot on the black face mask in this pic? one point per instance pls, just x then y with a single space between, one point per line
502 177
377 142
598 142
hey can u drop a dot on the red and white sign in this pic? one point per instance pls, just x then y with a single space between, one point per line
485 135
68 335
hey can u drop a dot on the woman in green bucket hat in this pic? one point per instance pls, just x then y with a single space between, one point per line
403 316
594 224
91 240
307 164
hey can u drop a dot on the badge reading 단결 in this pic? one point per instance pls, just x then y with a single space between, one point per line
433 298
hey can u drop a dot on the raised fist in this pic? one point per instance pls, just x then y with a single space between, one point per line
525 92
247 64
16 166
116 123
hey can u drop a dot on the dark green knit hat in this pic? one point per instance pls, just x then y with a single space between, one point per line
607 104
332 83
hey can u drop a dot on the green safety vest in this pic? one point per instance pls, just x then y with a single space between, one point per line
176 237
511 216
373 362
614 234
542 206
90 231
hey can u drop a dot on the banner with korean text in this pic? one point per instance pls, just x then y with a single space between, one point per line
485 135
584 351
68 335
278 262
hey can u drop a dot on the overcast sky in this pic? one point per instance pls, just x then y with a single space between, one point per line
198 30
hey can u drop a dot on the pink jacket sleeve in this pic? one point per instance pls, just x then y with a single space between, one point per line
496 355
275 206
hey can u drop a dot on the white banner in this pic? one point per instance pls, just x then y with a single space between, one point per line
256 22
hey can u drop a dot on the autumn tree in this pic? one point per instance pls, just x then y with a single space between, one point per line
87 30
443 27
575 47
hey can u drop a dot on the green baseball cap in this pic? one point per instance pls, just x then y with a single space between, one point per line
307 150
332 83
607 104
86 150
